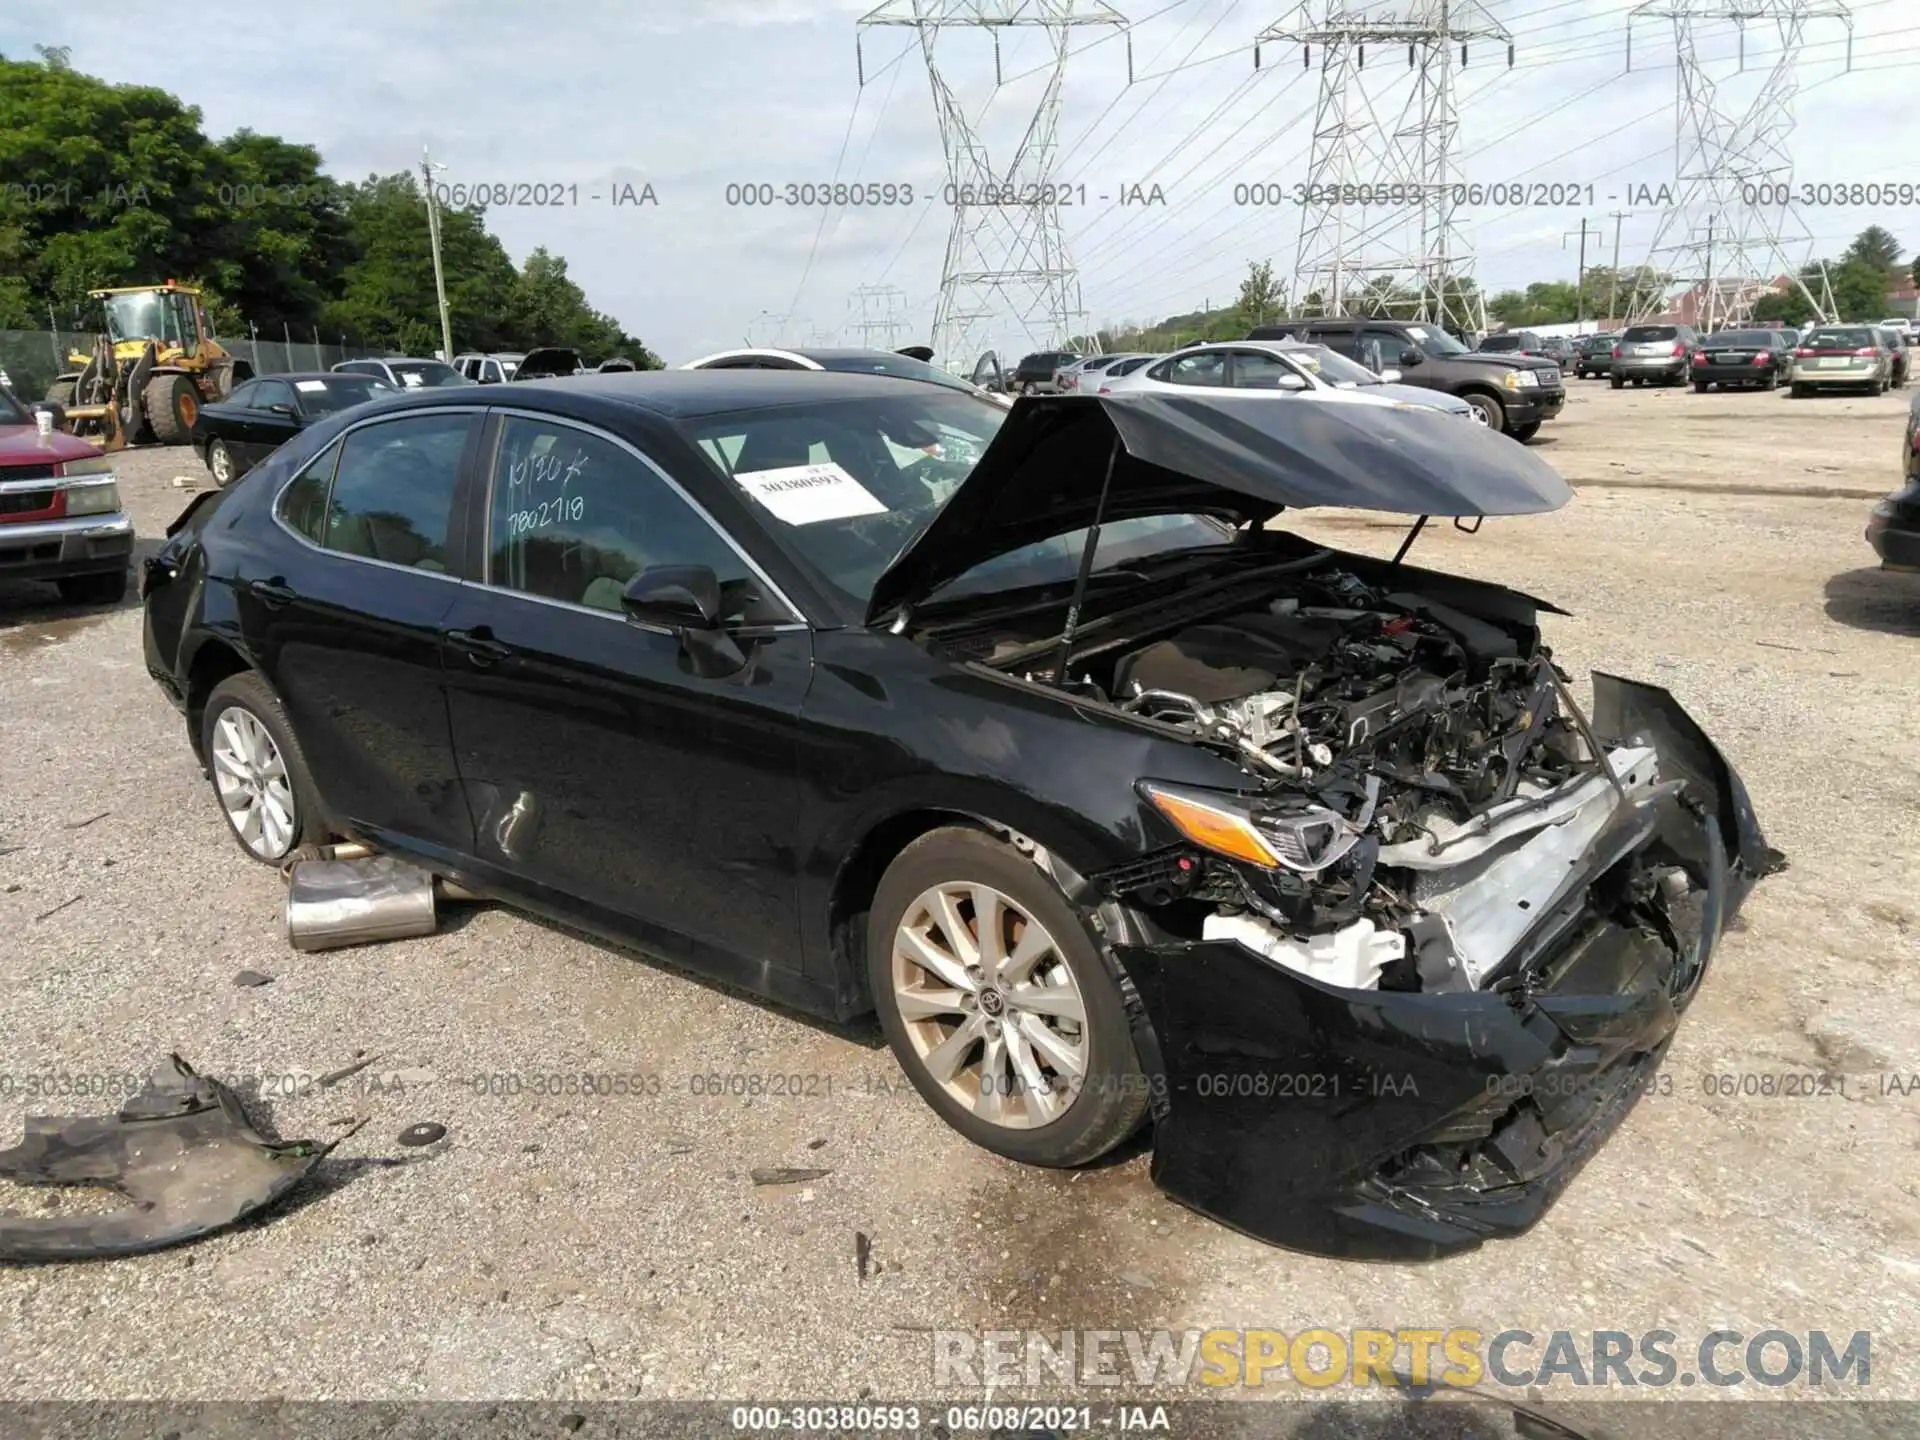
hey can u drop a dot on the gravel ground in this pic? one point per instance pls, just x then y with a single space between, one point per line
614 1246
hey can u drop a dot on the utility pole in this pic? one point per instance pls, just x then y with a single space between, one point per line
433 235
1580 283
1613 290
1713 281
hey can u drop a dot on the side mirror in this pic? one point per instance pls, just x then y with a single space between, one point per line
686 600
1289 382
1410 357
282 408
674 597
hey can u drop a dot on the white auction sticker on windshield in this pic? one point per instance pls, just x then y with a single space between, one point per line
309 384
808 494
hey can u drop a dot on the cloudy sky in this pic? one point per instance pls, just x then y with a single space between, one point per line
691 96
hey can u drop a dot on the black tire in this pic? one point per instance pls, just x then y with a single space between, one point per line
1526 432
1700 387
220 460
60 392
249 693
1618 383
1769 380
1488 410
1798 391
1112 1098
171 403
107 587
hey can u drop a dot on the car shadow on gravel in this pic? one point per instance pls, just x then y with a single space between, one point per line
1874 599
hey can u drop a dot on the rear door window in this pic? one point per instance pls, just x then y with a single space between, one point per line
393 491
1650 334
1209 367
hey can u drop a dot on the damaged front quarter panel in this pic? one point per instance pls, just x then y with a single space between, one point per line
182 1151
1415 1123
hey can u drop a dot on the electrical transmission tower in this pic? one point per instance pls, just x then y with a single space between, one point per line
1379 231
880 320
1731 231
1006 251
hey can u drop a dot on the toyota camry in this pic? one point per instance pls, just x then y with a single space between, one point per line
1030 731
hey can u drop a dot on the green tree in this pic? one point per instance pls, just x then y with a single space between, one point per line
1877 247
1262 298
1790 307
549 309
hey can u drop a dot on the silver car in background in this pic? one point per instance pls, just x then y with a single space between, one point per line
1287 367
1842 357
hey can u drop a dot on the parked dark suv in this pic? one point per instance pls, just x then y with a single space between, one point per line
1653 354
1515 394
1039 373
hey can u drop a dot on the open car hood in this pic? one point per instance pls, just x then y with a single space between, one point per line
546 362
1247 458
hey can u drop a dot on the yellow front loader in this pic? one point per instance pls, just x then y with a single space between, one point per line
151 370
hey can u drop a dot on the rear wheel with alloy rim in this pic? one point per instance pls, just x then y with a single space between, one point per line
258 770
999 1005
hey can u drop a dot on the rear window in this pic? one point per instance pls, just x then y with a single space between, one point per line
1127 367
1500 342
1747 338
1838 337
1641 334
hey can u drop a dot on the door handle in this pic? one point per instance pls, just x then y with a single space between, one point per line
479 645
273 593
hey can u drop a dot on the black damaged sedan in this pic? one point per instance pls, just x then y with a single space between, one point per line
1025 730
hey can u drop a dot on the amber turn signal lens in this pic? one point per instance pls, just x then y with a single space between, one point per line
1213 827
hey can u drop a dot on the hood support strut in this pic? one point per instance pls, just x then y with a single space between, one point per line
1412 535
1068 631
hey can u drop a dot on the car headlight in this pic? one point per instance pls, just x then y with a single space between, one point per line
1522 380
92 465
1213 822
1306 839
94 497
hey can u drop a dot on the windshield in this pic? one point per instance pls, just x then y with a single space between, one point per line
1641 334
847 486
12 412
339 392
141 316
425 374
1332 367
1435 342
507 367
904 366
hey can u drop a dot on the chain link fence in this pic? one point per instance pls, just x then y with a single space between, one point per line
31 358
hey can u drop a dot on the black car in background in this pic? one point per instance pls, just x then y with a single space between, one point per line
262 415
1510 342
1593 354
1512 393
1748 359
1894 529
748 670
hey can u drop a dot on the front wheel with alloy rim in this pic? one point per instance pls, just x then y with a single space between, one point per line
258 770
1487 411
998 1003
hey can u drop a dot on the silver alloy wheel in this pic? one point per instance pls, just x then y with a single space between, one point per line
990 1005
251 779
1482 414
220 461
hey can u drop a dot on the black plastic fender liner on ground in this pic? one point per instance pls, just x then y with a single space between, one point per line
182 1152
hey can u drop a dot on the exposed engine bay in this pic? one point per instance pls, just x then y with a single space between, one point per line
1421 785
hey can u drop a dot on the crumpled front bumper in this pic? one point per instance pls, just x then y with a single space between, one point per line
1400 1125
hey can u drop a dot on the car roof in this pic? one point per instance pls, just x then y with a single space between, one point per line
684 394
308 375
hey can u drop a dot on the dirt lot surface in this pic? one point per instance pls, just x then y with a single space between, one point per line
605 1247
